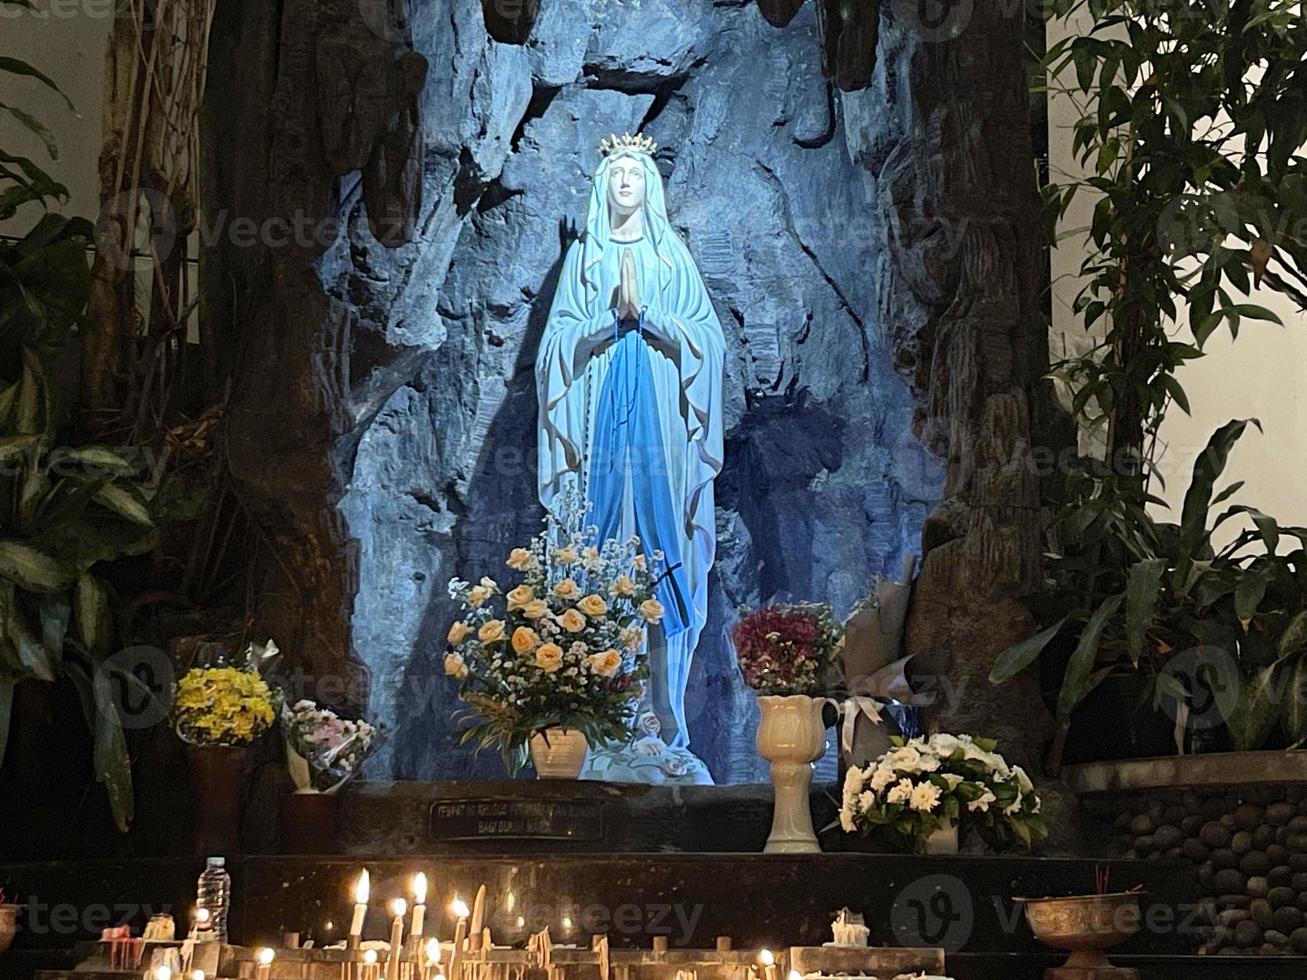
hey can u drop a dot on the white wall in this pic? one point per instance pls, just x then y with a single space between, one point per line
67 40
1261 375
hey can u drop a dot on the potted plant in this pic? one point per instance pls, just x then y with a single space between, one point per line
1198 203
556 664
785 652
1166 606
219 710
68 507
927 790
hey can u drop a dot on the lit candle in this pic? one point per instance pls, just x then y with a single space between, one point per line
370 964
432 963
266 955
459 908
419 904
361 891
795 975
202 923
768 960
163 973
197 975
398 908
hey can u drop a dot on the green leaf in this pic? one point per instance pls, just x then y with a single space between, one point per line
1294 637
32 569
1082 660
1141 592
35 127
1018 657
92 613
1254 717
16 67
1248 594
122 501
1295 703
1198 499
56 611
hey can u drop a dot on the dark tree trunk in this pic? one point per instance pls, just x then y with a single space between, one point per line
308 99
959 189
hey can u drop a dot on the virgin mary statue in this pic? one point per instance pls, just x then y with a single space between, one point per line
629 376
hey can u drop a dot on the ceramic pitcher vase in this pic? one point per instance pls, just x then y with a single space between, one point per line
558 753
791 737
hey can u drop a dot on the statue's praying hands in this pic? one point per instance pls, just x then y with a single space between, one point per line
628 290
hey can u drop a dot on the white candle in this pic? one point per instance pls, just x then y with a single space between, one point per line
398 908
419 904
478 919
370 964
432 962
768 960
266 955
362 889
460 910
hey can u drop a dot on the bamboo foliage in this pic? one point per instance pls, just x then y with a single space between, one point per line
141 301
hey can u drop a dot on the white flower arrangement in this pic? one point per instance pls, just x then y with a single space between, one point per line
924 785
563 648
323 750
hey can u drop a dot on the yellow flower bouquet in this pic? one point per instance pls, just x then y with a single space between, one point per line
222 705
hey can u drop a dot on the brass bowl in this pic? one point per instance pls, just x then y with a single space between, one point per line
8 925
1084 925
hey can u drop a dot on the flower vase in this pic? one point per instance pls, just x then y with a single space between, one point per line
309 822
791 737
941 842
8 925
558 753
216 775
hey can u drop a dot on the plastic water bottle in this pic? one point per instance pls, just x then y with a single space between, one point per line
213 893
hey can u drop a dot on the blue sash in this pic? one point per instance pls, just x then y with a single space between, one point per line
628 438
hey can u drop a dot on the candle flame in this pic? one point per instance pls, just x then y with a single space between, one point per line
420 888
433 950
198 975
266 955
163 973
363 888
370 957
202 916
398 907
795 975
459 908
767 958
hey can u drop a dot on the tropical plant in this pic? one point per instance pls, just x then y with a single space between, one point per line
1190 130
1132 591
1192 122
65 510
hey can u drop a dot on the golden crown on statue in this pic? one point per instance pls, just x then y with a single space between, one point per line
615 145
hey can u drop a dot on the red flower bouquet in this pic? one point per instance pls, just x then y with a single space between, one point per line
783 649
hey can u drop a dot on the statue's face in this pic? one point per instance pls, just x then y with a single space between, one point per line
625 186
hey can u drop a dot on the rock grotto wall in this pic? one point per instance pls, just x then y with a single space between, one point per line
824 484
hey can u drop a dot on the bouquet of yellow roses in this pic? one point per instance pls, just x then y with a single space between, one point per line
565 647
223 704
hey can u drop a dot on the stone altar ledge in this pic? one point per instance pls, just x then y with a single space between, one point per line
560 816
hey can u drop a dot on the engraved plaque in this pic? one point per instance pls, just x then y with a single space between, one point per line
492 819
